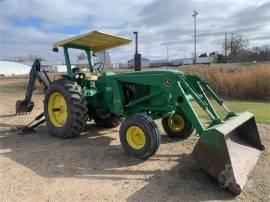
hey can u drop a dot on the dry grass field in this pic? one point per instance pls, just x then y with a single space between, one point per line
238 80
245 82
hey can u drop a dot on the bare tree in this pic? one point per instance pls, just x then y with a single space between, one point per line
237 44
203 55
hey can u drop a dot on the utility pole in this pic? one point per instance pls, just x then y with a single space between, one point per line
231 44
194 16
225 47
167 53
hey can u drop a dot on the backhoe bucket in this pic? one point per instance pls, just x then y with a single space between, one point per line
229 151
23 107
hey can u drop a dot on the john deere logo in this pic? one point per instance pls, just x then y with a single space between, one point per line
167 82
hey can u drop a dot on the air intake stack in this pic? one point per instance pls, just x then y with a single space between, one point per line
137 56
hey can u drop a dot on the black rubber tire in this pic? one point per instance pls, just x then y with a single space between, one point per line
235 189
76 106
110 121
152 136
185 133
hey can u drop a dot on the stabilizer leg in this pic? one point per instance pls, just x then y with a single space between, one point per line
30 128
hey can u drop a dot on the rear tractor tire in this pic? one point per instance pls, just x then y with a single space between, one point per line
110 121
65 109
139 136
177 127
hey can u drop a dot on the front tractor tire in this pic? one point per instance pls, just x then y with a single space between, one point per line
139 136
177 126
65 109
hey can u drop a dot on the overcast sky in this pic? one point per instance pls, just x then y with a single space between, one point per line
31 26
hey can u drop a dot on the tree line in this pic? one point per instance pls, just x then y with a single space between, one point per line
236 50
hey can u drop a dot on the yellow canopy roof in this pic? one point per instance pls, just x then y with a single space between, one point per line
95 40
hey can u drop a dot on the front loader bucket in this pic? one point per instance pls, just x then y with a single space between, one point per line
229 151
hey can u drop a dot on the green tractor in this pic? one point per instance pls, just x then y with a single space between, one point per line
228 148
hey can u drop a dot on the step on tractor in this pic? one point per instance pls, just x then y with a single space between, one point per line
228 147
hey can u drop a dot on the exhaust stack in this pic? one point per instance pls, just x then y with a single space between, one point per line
137 56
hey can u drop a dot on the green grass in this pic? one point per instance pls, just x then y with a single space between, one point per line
260 109
13 88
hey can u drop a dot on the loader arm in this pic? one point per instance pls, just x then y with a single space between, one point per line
194 86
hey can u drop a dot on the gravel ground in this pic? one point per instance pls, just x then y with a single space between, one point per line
93 167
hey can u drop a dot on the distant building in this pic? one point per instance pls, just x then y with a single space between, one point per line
62 68
176 62
8 68
49 68
115 65
182 61
81 62
144 62
123 65
158 63
204 60
105 58
187 61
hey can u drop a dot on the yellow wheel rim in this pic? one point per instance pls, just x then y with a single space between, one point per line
57 108
135 137
177 123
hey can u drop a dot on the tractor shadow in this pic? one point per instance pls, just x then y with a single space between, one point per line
96 154
9 126
183 182
8 115
92 155
166 140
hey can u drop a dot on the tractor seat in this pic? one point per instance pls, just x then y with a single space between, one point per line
92 76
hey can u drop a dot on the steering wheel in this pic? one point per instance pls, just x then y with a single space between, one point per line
99 66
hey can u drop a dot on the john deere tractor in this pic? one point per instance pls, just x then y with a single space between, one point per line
228 147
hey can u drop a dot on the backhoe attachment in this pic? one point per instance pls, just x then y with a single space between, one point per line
26 105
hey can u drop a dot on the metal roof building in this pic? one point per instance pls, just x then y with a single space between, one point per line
144 62
8 68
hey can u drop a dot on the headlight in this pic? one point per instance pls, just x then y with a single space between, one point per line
81 76
77 76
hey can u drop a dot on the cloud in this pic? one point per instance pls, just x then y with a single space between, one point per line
32 26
